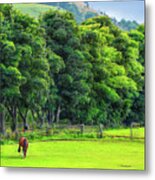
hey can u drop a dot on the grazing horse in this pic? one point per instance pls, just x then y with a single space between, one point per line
23 142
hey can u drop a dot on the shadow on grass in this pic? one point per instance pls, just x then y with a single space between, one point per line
12 157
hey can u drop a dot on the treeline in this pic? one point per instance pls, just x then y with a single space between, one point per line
55 71
79 14
125 24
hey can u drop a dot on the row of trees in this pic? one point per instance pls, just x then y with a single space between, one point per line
80 13
53 70
125 24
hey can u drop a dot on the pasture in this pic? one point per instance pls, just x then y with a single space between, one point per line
100 154
33 9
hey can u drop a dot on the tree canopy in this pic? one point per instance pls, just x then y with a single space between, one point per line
56 71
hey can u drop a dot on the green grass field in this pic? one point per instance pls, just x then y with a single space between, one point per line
137 132
32 9
107 154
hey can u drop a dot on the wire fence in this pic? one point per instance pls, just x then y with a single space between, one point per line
60 131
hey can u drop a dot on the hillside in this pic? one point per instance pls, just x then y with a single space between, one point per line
33 9
81 11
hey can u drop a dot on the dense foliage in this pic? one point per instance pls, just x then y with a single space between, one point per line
56 71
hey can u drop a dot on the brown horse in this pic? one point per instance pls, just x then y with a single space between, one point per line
23 142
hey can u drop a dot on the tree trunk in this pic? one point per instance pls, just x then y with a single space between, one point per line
58 114
33 115
13 114
41 118
50 117
41 122
14 125
53 116
24 117
2 123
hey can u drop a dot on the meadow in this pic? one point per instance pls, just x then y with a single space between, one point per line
32 9
77 154
93 153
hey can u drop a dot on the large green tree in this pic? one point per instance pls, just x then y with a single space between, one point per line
62 36
23 65
117 75
11 78
138 107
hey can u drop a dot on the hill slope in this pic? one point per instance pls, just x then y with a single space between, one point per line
33 9
81 11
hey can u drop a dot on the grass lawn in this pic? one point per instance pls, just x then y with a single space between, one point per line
33 9
109 154
137 132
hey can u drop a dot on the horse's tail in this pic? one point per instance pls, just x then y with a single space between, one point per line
19 149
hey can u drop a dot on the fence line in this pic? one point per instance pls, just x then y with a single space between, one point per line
80 130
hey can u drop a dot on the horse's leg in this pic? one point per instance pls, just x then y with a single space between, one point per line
25 153
25 150
25 146
19 148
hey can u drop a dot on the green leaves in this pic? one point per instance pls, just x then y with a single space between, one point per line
117 74
56 62
106 92
55 69
11 80
60 35
121 82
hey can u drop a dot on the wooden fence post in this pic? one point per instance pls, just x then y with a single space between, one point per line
133 124
131 133
82 128
101 130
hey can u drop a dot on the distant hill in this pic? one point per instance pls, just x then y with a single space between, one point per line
81 11
126 25
33 9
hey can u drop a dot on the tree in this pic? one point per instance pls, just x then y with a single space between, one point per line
23 64
11 78
33 65
116 71
138 106
70 83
